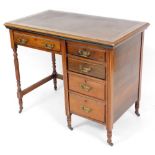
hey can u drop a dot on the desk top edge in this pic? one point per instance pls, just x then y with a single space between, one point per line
137 28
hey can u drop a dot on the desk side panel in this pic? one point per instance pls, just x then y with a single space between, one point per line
126 75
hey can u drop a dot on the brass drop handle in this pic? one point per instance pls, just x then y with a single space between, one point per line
85 87
22 41
86 109
84 53
85 69
49 46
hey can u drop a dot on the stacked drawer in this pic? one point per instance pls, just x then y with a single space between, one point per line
86 73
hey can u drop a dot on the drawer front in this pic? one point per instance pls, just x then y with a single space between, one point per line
87 107
86 51
87 86
86 68
37 41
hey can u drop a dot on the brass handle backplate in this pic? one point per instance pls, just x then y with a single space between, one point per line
22 41
84 53
84 69
49 46
85 87
86 109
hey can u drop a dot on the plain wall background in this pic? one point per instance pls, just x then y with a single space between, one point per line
41 128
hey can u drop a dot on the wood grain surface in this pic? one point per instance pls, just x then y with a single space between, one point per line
96 29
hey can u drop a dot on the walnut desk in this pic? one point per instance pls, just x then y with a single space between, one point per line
101 57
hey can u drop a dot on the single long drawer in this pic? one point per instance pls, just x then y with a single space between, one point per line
86 50
87 107
37 41
87 86
86 67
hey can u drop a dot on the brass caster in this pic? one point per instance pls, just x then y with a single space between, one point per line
20 110
137 113
70 128
110 143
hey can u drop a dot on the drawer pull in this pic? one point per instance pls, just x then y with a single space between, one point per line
84 53
22 41
86 109
85 69
85 87
49 46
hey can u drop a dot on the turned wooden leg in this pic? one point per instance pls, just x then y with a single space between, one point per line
109 138
19 92
54 71
69 122
20 105
137 108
